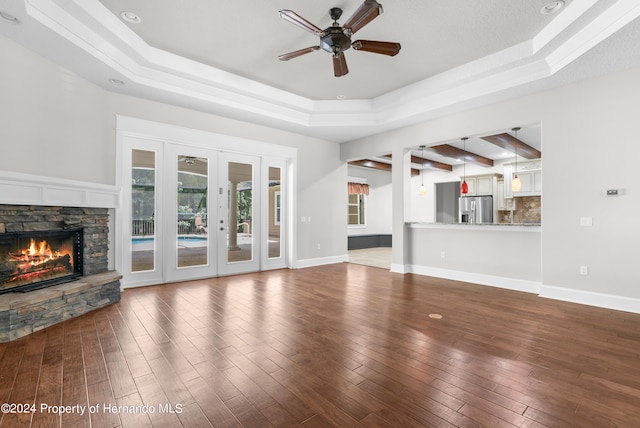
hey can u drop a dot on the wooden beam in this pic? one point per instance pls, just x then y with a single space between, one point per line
367 163
428 163
509 142
456 153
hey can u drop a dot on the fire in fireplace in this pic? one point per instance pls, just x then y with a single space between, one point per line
32 260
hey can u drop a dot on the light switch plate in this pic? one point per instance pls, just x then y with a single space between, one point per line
586 221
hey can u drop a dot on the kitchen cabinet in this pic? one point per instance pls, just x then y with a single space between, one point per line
530 177
480 185
502 203
531 183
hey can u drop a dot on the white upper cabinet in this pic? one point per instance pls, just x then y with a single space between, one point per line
530 174
482 185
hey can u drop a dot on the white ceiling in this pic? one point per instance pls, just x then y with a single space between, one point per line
245 38
221 56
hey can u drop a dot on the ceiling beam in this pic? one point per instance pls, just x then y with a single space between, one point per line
367 163
456 153
509 142
427 163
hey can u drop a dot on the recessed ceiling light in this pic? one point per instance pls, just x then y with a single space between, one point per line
116 81
130 17
552 7
7 17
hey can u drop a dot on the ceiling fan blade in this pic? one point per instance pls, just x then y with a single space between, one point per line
367 12
384 48
340 65
295 54
296 19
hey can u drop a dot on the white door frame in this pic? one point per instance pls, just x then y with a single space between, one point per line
132 133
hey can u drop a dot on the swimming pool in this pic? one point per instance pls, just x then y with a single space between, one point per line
142 243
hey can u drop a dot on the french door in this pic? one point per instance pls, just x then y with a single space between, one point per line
197 212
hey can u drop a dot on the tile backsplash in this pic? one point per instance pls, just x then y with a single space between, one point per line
528 210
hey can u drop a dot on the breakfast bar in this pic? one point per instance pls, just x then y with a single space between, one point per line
503 255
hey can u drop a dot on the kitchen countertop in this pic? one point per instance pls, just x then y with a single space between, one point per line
508 227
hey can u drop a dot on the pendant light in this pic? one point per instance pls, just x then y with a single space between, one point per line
422 190
515 183
464 187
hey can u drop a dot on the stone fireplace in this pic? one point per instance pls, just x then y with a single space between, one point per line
53 266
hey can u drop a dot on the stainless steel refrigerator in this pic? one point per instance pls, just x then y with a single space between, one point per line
475 209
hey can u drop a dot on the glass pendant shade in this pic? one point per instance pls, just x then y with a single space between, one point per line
464 188
422 190
516 185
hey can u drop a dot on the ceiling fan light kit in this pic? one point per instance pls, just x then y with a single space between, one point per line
336 39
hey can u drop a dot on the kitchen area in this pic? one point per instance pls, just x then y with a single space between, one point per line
491 199
463 217
485 228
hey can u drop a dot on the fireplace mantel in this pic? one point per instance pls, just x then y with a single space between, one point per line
35 203
27 189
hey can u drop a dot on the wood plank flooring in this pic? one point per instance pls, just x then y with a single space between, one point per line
334 346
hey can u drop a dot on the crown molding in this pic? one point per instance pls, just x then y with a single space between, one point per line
89 26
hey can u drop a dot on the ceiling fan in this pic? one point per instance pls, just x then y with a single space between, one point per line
336 39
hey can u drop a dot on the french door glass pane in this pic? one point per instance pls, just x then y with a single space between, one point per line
143 208
192 243
240 215
275 207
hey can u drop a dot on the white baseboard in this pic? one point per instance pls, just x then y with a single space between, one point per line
398 268
477 278
300 264
601 300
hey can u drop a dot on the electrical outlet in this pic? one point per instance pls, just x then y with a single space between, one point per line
443 255
303 219
584 270
318 246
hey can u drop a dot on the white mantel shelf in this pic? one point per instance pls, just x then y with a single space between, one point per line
487 227
27 189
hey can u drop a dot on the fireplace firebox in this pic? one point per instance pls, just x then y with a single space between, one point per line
38 259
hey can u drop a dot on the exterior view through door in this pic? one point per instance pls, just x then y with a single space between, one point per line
196 212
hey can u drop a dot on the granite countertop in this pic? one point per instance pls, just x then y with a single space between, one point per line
528 227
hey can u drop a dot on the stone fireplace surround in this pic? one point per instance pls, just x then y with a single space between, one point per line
34 203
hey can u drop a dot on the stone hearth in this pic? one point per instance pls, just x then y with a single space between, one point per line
24 313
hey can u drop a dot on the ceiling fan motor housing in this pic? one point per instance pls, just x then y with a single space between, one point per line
334 40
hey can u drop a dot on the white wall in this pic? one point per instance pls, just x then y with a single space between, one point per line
58 125
378 202
589 144
515 255
53 122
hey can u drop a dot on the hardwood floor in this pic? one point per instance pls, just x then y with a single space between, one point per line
340 345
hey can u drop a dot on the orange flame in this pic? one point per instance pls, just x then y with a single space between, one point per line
39 252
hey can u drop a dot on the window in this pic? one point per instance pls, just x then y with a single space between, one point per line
356 210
